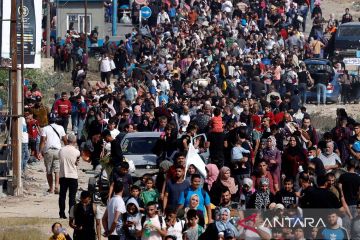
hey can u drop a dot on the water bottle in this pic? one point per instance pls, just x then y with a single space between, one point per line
147 229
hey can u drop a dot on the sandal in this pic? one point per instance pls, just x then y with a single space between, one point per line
56 191
50 191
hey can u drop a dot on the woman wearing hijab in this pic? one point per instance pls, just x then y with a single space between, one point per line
220 226
262 198
194 203
272 156
224 181
212 175
293 158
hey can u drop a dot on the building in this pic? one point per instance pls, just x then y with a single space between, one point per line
72 13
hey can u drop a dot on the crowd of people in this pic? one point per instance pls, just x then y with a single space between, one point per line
231 70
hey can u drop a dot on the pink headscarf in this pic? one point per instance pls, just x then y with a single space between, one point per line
230 182
213 173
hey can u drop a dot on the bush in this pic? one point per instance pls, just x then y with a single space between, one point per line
46 81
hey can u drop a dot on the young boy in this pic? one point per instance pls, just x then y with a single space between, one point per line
59 232
216 124
150 194
237 157
135 194
194 230
33 131
286 196
175 226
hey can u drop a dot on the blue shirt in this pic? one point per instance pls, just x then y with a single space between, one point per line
202 202
334 234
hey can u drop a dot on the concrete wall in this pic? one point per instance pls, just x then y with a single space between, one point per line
95 10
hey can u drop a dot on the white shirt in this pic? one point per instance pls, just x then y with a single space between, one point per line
329 160
114 133
52 139
116 204
105 65
68 156
177 229
24 135
162 17
154 235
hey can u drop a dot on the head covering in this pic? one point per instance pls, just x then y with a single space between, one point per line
213 173
248 182
273 141
230 182
226 226
192 196
165 165
133 201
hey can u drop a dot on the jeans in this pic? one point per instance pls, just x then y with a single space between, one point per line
303 90
105 76
74 117
65 184
321 89
80 127
304 12
65 123
25 155
346 93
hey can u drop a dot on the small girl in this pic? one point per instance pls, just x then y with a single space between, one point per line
59 232
237 157
150 194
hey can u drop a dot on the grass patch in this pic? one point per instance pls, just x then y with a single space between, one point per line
27 228
6 222
22 234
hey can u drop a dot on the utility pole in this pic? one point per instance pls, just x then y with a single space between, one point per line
85 26
16 103
114 19
48 28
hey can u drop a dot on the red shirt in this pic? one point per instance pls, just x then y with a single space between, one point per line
32 127
62 107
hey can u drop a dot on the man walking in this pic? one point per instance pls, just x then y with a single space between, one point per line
50 145
82 216
69 158
111 220
62 108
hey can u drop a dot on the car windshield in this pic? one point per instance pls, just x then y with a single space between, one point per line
349 31
139 146
315 68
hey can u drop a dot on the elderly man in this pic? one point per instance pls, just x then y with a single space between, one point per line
69 158
330 159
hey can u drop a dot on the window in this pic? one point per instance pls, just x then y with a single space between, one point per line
349 31
76 22
139 146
